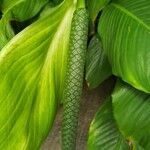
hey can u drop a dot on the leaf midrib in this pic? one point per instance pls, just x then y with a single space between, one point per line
133 16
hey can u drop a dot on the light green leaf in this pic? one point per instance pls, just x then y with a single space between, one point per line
15 9
125 31
103 133
6 33
46 10
132 111
22 9
95 6
32 71
97 66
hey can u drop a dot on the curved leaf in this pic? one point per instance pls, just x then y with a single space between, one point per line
95 6
124 28
22 9
6 33
103 133
32 70
132 111
97 66
19 10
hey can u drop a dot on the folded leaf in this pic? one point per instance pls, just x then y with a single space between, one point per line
95 6
32 70
103 133
97 66
7 7
6 33
22 9
132 111
125 31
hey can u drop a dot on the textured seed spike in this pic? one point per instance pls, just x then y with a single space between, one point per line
74 78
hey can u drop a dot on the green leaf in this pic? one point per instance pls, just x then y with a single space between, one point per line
95 6
128 120
6 33
132 111
32 71
97 66
136 146
18 10
103 133
22 9
56 2
125 31
46 10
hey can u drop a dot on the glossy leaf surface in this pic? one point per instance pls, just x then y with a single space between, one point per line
131 111
125 31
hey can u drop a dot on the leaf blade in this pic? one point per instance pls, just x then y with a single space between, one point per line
134 106
97 66
126 41
29 76
104 133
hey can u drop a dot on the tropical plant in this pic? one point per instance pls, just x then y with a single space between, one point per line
48 48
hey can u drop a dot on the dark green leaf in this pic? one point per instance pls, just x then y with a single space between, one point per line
95 6
97 66
56 2
104 134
